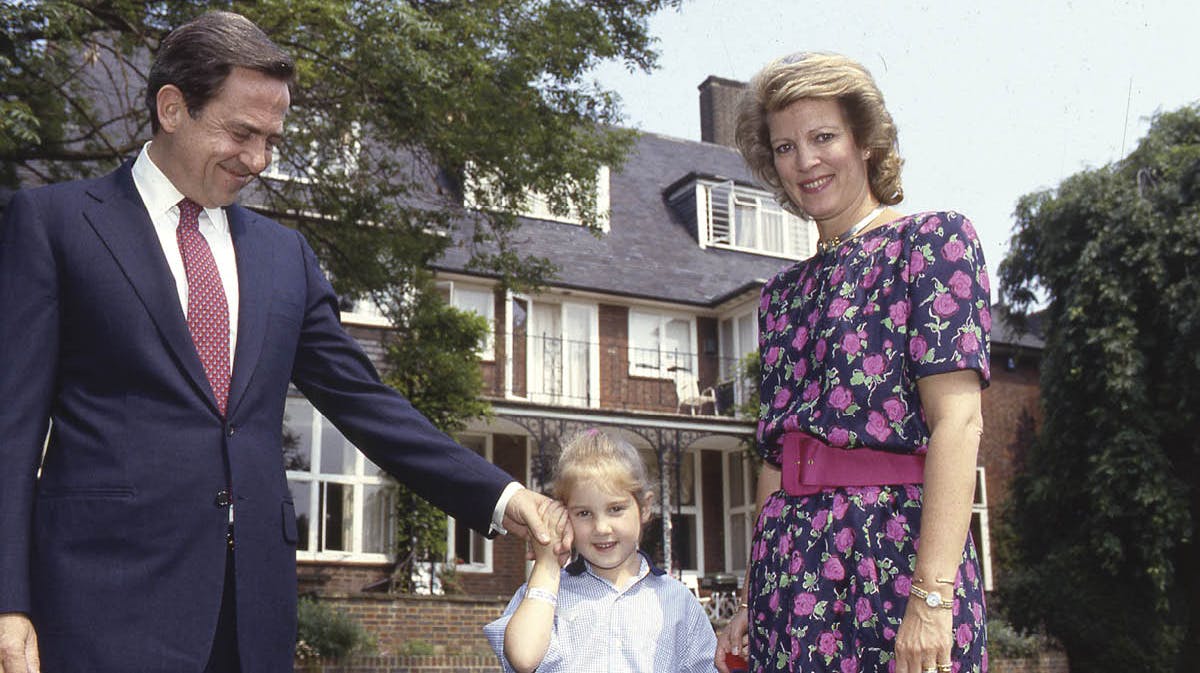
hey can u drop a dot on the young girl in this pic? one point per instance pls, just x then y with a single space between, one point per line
610 609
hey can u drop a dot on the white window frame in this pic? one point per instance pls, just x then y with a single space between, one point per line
664 370
746 510
451 542
313 480
536 205
731 354
983 546
716 220
593 344
453 290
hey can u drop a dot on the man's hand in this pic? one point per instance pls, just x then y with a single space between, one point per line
535 517
18 645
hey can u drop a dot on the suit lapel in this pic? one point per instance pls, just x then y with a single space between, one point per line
120 219
254 290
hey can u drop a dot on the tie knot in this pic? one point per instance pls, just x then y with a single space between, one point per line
189 213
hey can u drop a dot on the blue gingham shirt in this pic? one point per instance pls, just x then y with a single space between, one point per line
654 626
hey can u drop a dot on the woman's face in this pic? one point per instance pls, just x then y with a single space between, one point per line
821 166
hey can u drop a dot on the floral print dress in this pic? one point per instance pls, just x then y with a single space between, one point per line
844 337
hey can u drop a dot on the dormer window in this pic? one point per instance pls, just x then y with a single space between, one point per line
740 217
533 204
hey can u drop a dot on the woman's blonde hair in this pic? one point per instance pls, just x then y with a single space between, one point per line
607 461
830 76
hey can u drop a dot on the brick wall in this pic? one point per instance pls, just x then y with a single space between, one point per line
451 625
1012 394
323 577
407 664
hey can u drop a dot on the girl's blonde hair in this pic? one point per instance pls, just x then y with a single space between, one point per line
607 461
821 76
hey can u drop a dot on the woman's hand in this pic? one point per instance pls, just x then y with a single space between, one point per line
734 639
925 638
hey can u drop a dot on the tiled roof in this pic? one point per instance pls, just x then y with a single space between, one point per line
649 251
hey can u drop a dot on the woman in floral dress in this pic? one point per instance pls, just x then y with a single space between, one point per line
873 353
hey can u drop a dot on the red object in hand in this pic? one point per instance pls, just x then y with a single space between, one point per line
736 664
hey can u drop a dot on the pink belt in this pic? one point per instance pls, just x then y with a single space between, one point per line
810 465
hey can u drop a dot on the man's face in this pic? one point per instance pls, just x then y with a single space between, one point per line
211 157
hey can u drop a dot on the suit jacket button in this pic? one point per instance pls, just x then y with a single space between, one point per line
229 430
223 499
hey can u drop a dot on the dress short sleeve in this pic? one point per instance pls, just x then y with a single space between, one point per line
949 297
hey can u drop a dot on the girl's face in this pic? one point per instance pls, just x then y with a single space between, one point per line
607 528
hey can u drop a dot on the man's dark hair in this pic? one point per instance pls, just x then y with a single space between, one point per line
200 54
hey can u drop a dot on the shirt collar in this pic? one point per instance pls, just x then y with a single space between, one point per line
580 564
159 194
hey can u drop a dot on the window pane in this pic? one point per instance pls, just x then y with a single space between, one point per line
739 545
519 314
644 343
747 326
337 455
481 303
745 231
300 491
773 231
718 216
677 345
337 523
297 435
476 301
379 511
728 350
577 330
737 496
546 351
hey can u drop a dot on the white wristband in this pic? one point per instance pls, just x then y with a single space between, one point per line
542 595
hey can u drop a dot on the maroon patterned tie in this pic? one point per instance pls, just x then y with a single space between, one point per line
208 311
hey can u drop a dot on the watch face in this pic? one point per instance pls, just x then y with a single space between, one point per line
933 599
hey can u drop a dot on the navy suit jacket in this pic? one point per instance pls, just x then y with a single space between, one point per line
117 550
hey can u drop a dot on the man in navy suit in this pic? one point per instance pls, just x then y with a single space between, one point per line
152 328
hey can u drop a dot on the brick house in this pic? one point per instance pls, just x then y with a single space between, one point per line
640 334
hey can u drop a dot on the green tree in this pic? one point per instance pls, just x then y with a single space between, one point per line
1104 514
415 126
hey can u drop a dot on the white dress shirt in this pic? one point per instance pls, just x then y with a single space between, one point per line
161 199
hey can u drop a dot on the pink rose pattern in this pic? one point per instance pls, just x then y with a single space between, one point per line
830 577
844 349
850 333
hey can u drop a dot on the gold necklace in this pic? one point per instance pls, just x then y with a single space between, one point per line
834 241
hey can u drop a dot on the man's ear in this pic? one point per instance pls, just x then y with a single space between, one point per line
171 107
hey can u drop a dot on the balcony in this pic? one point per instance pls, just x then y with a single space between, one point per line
611 375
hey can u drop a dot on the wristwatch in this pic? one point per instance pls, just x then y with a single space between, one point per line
932 598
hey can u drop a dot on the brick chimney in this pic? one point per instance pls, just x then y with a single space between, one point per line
718 110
